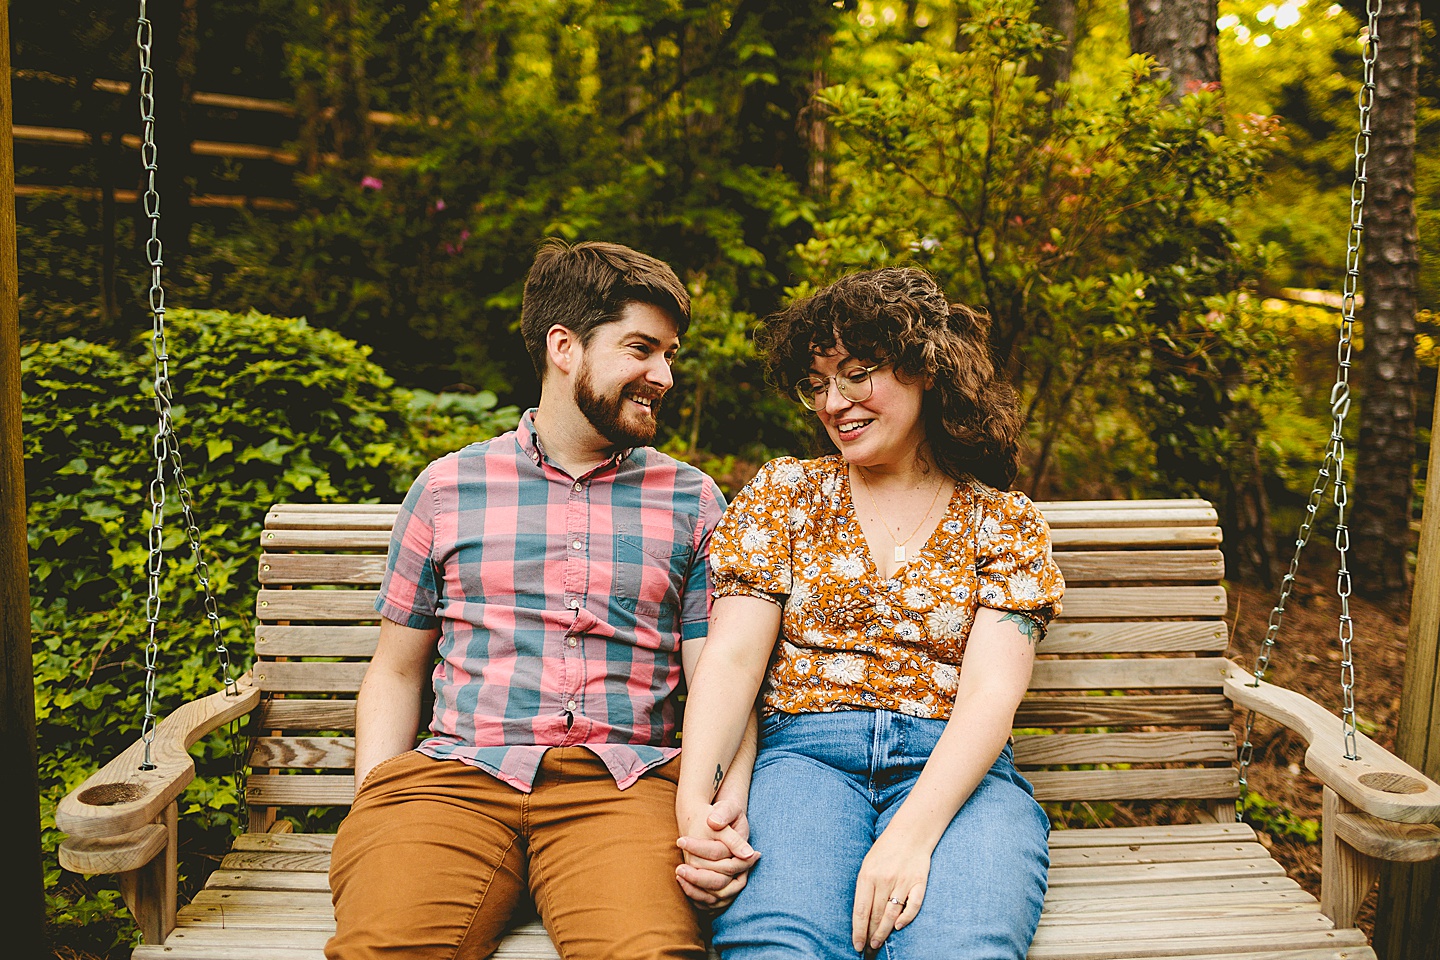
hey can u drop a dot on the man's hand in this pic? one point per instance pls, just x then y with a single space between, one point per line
718 855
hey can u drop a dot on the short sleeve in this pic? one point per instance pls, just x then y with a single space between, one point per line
1013 562
409 594
695 604
750 551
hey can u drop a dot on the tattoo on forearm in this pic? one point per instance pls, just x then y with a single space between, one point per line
1026 625
719 776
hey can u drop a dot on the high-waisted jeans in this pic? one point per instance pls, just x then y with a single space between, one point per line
825 786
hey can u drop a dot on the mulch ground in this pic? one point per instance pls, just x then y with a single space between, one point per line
1307 659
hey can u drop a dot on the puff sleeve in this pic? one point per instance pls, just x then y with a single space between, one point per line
750 551
1013 562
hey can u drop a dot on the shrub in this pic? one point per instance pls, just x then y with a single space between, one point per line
267 409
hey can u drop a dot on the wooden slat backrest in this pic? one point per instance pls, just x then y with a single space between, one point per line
1125 703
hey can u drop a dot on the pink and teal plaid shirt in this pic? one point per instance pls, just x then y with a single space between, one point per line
561 601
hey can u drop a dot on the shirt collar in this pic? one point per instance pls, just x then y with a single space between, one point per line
529 441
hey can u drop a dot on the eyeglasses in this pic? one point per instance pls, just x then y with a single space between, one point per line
854 385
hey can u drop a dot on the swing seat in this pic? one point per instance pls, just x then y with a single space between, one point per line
1132 699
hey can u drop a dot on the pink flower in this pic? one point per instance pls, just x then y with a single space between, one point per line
372 183
439 205
464 235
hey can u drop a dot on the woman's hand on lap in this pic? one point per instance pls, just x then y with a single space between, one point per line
890 889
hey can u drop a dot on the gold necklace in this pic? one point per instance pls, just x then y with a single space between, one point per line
894 537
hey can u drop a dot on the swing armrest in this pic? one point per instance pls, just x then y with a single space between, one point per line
120 798
1379 783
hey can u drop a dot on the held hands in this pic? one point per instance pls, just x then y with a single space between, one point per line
718 855
890 889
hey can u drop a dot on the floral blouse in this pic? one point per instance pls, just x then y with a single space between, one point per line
850 639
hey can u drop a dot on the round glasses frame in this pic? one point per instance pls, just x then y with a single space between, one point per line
855 386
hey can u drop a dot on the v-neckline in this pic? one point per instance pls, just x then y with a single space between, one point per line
867 554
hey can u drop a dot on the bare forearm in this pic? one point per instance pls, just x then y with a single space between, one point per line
387 718
719 712
736 784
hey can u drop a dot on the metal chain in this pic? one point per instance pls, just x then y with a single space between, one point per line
1332 469
163 445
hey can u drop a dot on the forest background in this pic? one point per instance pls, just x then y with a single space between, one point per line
1157 259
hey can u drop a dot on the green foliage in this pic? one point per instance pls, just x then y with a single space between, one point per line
1092 222
1278 821
268 409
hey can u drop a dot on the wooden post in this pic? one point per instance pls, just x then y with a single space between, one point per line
22 914
1407 925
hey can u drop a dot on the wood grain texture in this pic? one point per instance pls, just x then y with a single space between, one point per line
1199 636
121 797
1379 783
1123 711
1126 674
1191 746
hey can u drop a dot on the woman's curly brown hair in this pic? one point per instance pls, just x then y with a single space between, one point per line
898 315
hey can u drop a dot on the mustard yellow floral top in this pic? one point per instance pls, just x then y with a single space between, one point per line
850 639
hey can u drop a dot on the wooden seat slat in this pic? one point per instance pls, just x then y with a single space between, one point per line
300 882
301 790
314 568
1065 637
298 676
1137 538
272 640
1195 636
311 539
1126 674
1074 515
303 752
1173 833
1201 673
301 714
1078 566
1193 784
1176 944
1081 602
307 753
1156 853
1190 746
1191 709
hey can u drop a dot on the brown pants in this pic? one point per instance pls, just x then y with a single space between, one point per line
435 855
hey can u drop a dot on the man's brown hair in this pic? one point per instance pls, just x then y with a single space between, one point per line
585 285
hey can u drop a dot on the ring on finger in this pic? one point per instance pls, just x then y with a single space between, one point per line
898 902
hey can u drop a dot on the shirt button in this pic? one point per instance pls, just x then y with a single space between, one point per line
579 486
573 604
570 705
571 641
576 545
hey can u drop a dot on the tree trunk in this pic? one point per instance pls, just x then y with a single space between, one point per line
1055 65
1390 274
1182 37
23 911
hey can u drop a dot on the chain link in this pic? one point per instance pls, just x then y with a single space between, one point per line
1332 470
163 446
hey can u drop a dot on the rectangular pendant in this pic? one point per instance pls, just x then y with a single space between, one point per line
899 554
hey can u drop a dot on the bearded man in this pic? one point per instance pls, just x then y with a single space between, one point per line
560 573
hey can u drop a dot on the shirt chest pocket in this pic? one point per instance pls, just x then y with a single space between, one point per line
649 570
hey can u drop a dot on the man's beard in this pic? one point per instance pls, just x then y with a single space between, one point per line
606 414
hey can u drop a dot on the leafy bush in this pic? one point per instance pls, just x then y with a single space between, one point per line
268 409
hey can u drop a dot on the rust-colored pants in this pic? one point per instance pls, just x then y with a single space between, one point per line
435 854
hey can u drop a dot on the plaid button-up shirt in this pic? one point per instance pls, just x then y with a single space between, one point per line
561 601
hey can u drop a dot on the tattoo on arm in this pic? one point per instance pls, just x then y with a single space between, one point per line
719 776
1028 626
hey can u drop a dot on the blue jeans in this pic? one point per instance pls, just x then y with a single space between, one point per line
825 786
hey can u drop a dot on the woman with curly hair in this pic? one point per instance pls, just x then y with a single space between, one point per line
884 602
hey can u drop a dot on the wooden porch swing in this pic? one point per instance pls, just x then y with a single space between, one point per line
1132 699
